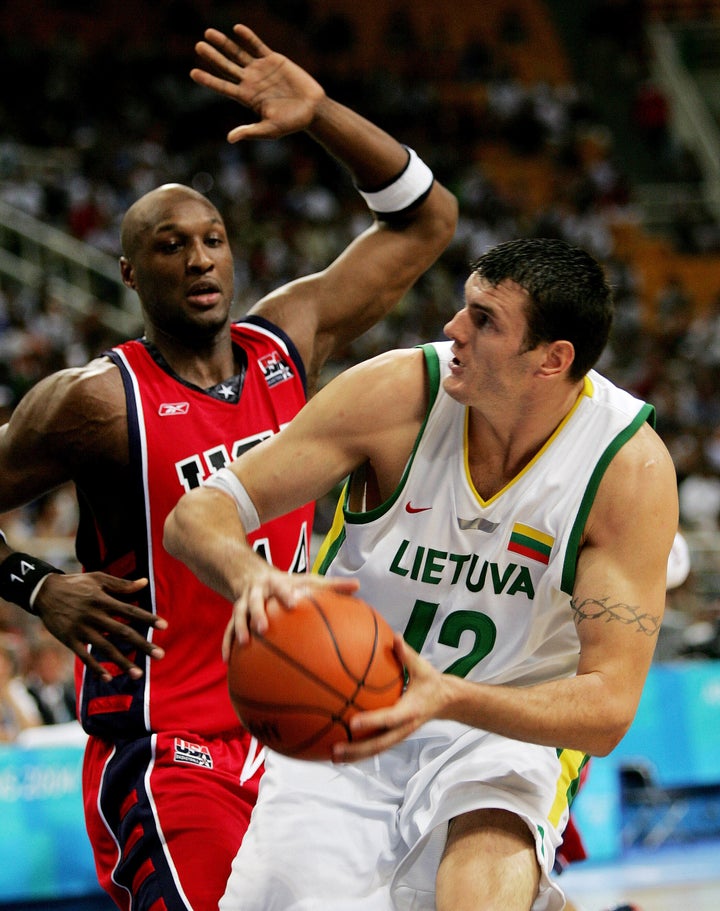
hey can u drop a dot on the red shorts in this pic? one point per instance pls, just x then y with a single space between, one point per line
166 814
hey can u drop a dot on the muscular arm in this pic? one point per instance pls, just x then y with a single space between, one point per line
618 603
323 312
72 427
371 412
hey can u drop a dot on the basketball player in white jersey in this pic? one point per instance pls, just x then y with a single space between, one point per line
510 512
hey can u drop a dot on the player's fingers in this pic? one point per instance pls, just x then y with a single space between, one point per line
250 41
405 653
111 606
338 584
221 86
241 619
225 46
256 610
103 624
219 63
93 666
107 653
118 585
227 641
263 129
370 746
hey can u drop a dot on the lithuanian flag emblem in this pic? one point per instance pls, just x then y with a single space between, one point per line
531 543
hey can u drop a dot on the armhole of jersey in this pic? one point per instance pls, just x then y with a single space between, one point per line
644 415
259 322
333 540
136 447
336 535
432 366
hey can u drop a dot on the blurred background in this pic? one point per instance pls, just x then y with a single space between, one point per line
596 121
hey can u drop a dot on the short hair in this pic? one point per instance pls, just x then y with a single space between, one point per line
570 297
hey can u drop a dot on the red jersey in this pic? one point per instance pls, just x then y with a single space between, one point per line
179 435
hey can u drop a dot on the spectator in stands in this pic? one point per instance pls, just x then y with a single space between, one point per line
50 681
17 708
699 493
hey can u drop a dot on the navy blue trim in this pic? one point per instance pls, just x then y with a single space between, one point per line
136 464
125 773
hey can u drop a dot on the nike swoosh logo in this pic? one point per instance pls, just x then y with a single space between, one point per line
411 509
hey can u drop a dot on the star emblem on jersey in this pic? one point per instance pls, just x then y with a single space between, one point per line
227 392
413 509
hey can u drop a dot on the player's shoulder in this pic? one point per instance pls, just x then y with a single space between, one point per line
646 443
400 369
389 389
79 390
642 470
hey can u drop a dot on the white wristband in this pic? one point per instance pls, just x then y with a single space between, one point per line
231 485
408 188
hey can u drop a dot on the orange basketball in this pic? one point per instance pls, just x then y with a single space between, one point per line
297 686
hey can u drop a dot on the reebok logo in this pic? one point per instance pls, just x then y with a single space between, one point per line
413 509
170 408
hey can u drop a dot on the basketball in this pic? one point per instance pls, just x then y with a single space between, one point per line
297 686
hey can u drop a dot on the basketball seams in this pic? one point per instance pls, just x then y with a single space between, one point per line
296 689
361 681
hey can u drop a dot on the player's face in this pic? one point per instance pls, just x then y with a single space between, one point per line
490 363
182 269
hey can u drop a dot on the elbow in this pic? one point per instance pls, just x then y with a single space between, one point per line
445 217
170 535
433 223
174 532
604 741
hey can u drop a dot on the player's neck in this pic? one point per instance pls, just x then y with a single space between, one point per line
501 446
203 365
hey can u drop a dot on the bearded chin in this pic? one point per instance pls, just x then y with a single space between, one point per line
195 333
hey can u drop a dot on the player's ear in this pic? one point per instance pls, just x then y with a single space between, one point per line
559 356
127 272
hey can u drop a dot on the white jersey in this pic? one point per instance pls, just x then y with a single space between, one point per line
481 588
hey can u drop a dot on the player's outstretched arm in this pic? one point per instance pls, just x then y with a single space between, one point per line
414 215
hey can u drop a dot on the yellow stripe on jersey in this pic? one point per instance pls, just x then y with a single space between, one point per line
587 390
571 763
336 529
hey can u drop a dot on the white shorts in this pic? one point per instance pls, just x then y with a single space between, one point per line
369 836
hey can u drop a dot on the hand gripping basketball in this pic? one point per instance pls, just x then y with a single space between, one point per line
297 686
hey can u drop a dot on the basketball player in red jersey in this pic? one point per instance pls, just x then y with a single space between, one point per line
170 777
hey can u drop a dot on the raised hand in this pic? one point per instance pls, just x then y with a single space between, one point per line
280 92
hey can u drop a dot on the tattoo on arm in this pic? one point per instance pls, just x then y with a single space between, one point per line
592 609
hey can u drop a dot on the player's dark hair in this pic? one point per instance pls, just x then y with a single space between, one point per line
570 298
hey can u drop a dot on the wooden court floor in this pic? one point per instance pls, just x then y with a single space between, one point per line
670 878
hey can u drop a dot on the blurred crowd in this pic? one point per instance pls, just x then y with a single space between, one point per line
112 121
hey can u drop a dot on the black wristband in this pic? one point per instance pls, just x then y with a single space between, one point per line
20 576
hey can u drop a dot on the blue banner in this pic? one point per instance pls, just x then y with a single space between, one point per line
44 846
